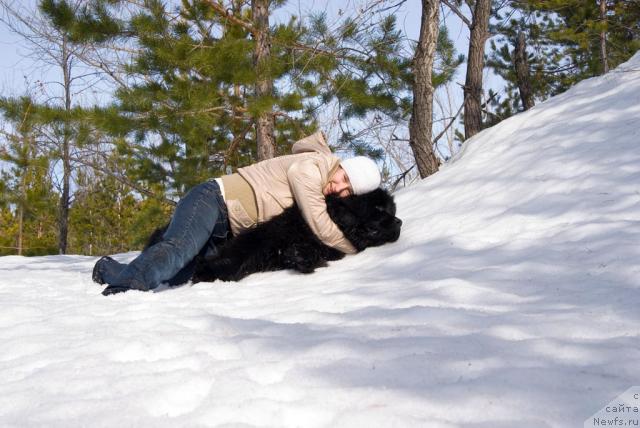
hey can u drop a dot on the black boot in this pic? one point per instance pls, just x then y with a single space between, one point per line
121 288
114 289
98 269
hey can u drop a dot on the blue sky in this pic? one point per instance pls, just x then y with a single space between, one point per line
13 65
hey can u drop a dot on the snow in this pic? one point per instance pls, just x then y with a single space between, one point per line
510 300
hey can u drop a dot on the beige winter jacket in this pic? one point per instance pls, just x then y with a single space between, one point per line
300 178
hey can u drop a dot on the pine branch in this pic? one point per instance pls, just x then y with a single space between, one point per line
397 5
147 115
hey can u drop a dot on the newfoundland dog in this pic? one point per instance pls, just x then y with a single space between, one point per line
286 242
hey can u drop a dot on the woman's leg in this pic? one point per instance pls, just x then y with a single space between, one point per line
194 219
106 271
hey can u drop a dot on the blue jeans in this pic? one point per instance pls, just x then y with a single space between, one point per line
200 219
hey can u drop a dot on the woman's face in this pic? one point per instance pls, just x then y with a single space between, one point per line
338 184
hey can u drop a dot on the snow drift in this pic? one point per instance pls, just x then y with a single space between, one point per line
511 299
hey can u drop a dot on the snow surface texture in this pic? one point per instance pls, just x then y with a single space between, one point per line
510 300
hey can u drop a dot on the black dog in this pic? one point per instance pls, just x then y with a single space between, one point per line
287 242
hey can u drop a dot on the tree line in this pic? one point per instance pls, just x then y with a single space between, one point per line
152 97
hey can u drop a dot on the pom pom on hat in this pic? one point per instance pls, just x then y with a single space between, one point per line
363 174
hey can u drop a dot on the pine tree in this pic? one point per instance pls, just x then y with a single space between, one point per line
420 125
188 113
189 110
52 46
547 72
368 68
580 24
564 44
479 33
100 216
28 190
107 217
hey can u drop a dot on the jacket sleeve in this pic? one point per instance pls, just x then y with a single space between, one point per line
305 181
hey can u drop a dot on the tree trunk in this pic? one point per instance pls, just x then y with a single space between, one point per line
265 122
29 156
475 66
421 122
63 221
21 217
65 200
522 72
603 37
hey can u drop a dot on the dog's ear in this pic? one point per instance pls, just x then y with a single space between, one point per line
340 210
383 201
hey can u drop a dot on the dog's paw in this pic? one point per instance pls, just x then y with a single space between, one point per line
303 262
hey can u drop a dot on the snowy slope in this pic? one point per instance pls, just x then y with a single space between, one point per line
511 300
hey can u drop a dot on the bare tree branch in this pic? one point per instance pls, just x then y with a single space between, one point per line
126 182
232 18
458 12
435 140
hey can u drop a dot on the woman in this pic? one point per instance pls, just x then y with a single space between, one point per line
237 202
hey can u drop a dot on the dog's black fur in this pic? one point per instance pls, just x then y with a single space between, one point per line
287 242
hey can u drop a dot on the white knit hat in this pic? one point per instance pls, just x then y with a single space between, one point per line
363 174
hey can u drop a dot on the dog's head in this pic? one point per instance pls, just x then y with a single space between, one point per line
366 220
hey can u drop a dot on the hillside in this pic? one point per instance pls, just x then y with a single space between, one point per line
510 300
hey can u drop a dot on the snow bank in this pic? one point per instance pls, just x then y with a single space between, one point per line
510 300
